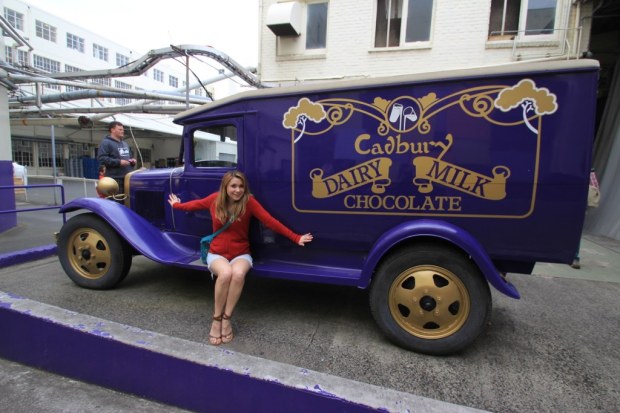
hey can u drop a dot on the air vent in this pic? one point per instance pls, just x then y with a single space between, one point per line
284 19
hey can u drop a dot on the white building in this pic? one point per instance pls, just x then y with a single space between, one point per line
321 39
41 112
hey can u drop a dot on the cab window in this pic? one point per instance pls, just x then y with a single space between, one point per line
215 146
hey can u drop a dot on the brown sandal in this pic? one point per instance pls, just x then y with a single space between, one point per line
216 340
227 338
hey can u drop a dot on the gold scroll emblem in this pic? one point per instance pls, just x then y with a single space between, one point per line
429 170
375 172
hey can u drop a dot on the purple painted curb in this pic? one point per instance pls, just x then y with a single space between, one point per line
182 373
31 254
96 358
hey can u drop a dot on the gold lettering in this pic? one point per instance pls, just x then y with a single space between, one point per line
403 203
439 175
392 145
358 141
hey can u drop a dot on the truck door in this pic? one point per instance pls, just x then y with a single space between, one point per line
210 150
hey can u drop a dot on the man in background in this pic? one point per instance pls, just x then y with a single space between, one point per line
115 155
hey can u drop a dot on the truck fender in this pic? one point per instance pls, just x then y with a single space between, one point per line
138 232
440 230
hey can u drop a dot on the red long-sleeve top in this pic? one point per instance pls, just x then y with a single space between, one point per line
234 240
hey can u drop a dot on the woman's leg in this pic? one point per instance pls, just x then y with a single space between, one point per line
240 268
223 270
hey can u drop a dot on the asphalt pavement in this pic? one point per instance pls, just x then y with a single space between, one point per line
554 350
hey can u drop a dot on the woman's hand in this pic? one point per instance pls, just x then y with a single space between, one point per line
173 199
305 239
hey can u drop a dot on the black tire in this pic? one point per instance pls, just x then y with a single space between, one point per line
92 254
431 299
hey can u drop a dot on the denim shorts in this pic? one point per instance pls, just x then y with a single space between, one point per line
213 257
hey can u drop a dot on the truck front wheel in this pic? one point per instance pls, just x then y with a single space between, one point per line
430 299
92 254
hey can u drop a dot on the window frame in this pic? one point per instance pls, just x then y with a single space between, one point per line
402 36
46 64
15 18
45 31
308 26
121 59
70 68
23 151
100 52
158 75
76 42
210 128
8 54
126 86
23 57
521 34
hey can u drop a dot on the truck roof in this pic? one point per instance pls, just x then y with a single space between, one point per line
374 82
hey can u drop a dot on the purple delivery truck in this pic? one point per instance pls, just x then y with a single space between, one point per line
423 188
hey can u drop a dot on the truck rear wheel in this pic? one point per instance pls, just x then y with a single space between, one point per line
92 254
430 299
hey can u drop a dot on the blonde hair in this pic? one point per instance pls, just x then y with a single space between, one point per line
237 209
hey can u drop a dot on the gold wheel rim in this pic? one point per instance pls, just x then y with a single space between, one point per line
429 302
89 253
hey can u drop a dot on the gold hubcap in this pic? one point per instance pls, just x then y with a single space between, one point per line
429 302
89 253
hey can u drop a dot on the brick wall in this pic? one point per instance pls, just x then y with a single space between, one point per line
458 39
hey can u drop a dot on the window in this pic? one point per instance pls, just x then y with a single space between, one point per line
173 81
158 75
22 152
22 57
122 85
45 31
75 42
316 26
79 150
45 64
104 82
45 155
8 52
101 81
100 52
69 68
205 148
510 18
415 15
121 60
147 156
14 18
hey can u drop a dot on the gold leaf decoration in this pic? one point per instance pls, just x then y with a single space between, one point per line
428 99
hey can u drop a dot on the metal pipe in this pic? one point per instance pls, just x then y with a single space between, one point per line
43 121
187 82
147 61
91 86
4 23
141 108
4 80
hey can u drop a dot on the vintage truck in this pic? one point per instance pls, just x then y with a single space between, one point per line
423 188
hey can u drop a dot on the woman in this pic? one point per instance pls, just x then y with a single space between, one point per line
229 253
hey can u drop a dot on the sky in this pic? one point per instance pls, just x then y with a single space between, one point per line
230 26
